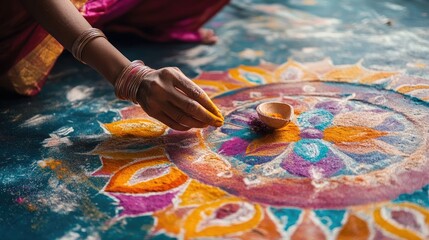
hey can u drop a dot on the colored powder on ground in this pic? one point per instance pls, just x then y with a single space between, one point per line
227 210
258 127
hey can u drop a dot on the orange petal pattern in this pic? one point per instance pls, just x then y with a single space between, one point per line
197 193
136 128
237 74
355 228
338 134
121 181
308 229
200 223
277 141
292 70
402 231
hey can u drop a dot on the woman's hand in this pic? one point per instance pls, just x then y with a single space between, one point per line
172 98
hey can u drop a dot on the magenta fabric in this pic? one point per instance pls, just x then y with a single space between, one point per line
160 20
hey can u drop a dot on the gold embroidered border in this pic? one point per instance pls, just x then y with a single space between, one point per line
26 76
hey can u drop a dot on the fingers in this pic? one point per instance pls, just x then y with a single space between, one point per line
182 118
169 114
193 91
170 122
194 109
169 96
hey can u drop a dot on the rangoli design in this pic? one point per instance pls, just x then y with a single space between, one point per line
357 145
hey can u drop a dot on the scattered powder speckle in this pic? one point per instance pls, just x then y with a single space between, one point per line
55 140
60 199
79 93
251 54
64 131
36 120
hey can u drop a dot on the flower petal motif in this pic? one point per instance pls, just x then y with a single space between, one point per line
319 67
407 89
334 107
367 119
107 150
311 150
136 128
217 82
298 106
292 70
368 146
275 143
316 118
341 134
156 175
110 166
308 229
345 74
212 87
197 193
388 218
113 160
408 85
313 159
357 73
137 205
273 149
286 217
376 77
170 220
222 217
234 146
266 229
251 75
354 228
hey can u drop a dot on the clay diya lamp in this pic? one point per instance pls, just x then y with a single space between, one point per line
275 114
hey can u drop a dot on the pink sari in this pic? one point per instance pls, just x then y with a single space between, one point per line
28 52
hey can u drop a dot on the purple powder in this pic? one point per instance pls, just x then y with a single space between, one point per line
258 127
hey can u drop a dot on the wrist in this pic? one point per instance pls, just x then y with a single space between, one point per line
105 58
127 85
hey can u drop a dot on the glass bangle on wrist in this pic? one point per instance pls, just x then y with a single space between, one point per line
128 82
83 39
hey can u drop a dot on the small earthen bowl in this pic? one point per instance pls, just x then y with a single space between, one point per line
275 114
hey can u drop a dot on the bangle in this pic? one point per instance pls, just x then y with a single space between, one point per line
128 83
134 89
83 39
123 81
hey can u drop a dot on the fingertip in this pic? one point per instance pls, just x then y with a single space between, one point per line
214 109
219 114
218 123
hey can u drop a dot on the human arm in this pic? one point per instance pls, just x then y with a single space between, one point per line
158 94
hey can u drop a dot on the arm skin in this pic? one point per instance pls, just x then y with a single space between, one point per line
165 94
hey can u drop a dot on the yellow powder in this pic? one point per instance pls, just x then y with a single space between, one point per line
337 134
198 193
120 181
275 115
136 128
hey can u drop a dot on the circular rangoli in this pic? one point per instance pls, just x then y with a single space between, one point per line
353 161
344 140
